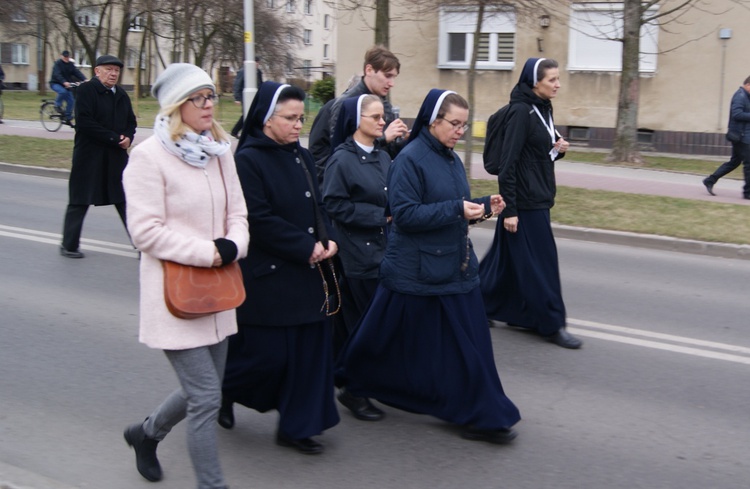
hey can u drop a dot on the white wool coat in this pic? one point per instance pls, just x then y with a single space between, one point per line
174 212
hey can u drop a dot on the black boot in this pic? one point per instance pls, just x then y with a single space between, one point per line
361 407
145 452
226 414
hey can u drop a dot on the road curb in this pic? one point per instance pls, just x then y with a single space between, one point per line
666 243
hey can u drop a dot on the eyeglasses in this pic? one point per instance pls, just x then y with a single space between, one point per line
292 118
200 100
374 117
457 125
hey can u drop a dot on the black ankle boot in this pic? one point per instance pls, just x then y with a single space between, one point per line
226 414
145 452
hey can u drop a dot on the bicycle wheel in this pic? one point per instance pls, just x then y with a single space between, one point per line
50 117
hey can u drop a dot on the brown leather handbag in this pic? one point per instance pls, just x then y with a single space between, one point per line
193 292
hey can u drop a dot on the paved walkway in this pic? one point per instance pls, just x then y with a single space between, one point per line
569 173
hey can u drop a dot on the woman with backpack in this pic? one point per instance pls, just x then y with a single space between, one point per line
520 276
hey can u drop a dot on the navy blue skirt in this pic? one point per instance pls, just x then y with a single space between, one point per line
285 368
520 275
428 355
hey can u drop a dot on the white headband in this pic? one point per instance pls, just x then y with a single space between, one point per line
273 103
438 104
359 108
534 75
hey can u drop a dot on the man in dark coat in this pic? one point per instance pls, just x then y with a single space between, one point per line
380 71
105 127
739 125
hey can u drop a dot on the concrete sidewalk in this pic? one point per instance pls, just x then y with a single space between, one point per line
568 173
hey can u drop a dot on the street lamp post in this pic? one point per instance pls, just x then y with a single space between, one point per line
251 73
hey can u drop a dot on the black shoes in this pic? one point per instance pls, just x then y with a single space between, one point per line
226 415
709 186
498 437
308 446
566 340
361 407
70 254
145 452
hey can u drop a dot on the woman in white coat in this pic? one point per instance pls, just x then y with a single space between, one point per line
184 204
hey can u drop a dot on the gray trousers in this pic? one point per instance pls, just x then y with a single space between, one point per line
200 371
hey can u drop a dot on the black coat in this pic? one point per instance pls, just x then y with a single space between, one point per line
527 173
98 160
355 196
282 288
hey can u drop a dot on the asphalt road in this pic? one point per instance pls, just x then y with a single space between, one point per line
657 397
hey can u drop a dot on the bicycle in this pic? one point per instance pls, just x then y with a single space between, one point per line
52 117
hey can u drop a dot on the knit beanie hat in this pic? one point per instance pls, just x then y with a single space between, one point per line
178 81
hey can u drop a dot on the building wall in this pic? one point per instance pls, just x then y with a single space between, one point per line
688 95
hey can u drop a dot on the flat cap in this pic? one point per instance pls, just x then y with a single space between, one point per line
108 59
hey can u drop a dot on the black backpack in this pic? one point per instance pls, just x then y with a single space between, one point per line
493 140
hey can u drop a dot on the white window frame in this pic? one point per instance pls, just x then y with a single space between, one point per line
271 3
306 68
290 6
327 22
20 15
308 7
290 37
589 51
137 24
326 51
88 17
307 37
132 56
463 21
19 54
80 58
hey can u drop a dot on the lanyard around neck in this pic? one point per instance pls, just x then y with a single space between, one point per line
549 126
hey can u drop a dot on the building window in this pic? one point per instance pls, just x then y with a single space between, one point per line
137 24
87 17
271 3
307 37
327 22
591 44
496 40
19 15
290 37
15 54
290 6
306 64
308 7
326 51
132 57
289 65
81 58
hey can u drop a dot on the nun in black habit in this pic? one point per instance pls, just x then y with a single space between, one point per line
423 344
520 274
281 358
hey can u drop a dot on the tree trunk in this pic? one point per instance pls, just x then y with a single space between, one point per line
625 147
471 82
382 22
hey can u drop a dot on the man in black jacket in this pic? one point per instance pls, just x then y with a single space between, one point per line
64 72
105 127
381 68
739 129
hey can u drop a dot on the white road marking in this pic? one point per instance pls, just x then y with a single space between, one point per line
54 238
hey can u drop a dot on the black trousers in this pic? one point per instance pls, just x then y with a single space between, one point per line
73 224
740 155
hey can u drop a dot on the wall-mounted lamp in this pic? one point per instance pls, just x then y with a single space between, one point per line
544 21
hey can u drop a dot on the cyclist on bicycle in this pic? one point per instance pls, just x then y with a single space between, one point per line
64 72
